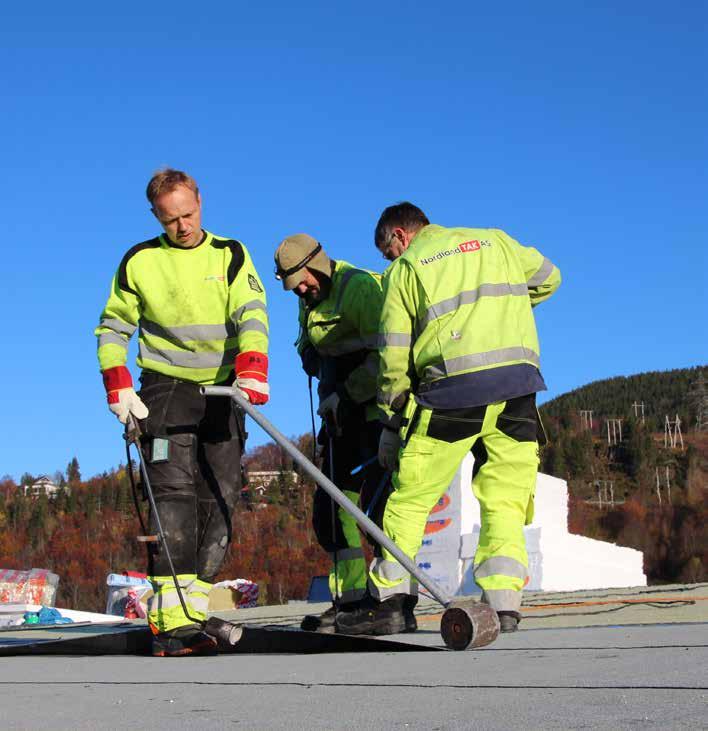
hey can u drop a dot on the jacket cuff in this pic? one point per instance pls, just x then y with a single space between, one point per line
252 364
117 378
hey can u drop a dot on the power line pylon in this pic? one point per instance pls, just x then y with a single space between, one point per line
638 411
672 432
586 419
614 431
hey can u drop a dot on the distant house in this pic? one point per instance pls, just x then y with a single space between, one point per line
259 483
43 486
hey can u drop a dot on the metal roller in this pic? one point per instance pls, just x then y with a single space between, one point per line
469 624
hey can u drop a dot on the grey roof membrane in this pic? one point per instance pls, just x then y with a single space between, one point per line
615 658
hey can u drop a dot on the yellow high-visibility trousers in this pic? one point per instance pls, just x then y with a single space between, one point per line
504 484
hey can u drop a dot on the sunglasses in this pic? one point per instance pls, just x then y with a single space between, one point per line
280 274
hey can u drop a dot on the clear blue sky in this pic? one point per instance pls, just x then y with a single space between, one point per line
579 131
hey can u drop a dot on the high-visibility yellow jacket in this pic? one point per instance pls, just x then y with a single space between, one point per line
457 328
195 309
343 329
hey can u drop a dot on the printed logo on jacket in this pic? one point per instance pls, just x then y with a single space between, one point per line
465 247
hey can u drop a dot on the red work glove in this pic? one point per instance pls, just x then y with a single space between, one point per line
251 370
122 399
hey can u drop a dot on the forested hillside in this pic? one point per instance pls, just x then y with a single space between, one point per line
89 530
631 480
662 392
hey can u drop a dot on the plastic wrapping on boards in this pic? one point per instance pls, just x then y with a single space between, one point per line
245 592
37 586
124 592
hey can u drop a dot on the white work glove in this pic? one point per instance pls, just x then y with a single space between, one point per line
128 402
328 406
389 447
121 396
253 390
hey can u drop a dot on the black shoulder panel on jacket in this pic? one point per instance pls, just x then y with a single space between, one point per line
237 257
123 268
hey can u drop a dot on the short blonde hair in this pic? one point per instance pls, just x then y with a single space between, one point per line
166 180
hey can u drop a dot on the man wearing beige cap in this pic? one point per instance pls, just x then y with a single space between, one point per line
339 313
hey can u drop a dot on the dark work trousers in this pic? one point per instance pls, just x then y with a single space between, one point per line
357 443
192 447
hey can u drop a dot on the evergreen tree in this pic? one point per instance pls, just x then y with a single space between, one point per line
578 454
27 479
73 473
638 455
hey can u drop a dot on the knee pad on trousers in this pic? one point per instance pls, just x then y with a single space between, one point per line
214 537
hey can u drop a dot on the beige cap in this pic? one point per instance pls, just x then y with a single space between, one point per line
294 254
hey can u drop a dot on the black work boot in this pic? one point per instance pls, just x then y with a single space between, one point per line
408 615
320 622
509 621
183 641
325 622
374 617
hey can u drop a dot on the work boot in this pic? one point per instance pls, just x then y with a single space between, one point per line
374 617
408 615
182 641
320 622
509 621
325 622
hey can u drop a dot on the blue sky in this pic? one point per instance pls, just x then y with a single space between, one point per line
579 131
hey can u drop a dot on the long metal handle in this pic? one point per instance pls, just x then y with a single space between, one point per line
331 489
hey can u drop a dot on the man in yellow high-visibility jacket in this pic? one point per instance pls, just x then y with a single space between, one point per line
339 312
200 309
459 369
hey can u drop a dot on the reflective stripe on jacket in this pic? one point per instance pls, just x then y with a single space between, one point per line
457 310
195 309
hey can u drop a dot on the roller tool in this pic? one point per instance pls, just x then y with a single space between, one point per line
465 623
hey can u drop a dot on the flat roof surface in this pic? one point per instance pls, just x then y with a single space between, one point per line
615 658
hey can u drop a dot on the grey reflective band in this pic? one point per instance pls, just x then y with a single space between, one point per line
388 570
124 328
470 296
500 565
251 305
347 554
395 340
491 357
502 600
188 333
186 358
253 326
542 274
167 598
343 285
381 567
112 339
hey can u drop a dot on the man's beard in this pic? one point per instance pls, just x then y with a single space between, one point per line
313 298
